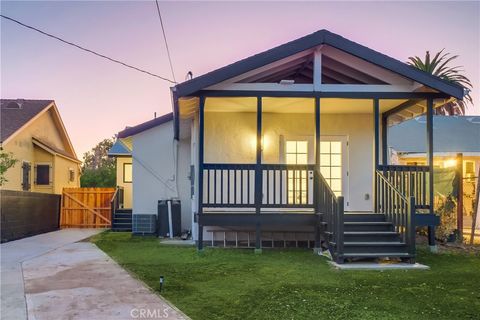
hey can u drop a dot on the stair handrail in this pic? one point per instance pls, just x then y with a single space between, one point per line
398 208
332 209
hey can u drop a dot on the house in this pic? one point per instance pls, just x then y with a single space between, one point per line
34 132
290 147
122 152
457 146
453 135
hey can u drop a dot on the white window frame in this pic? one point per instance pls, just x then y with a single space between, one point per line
50 174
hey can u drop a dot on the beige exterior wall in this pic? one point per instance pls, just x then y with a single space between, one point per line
127 186
22 147
230 138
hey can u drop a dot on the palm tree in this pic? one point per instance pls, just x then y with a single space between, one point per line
439 66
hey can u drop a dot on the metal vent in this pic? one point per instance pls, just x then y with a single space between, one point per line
144 223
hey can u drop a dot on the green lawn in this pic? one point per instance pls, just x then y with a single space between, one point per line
296 284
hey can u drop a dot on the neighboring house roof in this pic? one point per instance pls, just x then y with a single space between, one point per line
310 41
52 149
119 148
130 131
451 134
15 113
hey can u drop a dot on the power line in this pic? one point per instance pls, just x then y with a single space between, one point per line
165 39
87 50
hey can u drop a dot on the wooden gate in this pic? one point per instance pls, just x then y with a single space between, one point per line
86 207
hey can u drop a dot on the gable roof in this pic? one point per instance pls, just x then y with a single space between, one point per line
450 134
310 41
130 131
15 113
119 149
52 149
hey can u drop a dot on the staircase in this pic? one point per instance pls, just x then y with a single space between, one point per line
369 235
122 220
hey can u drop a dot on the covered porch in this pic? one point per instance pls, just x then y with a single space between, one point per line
296 137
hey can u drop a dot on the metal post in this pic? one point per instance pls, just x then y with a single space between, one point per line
376 111
460 195
200 169
340 229
258 177
316 176
384 140
431 229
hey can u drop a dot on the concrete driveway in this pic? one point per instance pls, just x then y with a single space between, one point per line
53 276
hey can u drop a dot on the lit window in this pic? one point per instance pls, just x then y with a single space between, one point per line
127 172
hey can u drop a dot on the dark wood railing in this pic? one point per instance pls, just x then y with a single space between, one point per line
234 185
331 208
398 208
410 181
117 200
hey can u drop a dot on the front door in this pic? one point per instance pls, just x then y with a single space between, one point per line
334 164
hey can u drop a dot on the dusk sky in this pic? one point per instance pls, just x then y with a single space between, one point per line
98 98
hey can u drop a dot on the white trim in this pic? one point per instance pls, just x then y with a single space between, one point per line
296 87
50 174
436 154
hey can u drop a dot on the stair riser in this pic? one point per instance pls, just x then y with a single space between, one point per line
364 217
122 219
129 211
122 215
375 249
371 238
367 228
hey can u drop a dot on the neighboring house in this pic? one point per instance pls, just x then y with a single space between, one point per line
453 135
283 147
34 132
122 152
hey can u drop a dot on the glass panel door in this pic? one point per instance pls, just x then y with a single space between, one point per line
333 163
296 152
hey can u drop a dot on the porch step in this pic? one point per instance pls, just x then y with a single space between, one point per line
371 236
122 220
364 217
368 226
373 247
377 255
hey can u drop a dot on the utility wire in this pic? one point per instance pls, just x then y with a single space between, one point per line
87 50
165 39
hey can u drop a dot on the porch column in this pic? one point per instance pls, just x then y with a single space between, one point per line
376 153
316 181
258 177
201 140
384 139
431 229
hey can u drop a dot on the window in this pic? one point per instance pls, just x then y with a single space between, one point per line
42 175
71 175
127 172
26 168
331 164
296 152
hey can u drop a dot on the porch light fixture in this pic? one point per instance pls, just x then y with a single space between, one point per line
162 279
450 163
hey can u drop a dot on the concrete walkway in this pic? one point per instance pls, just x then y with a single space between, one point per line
52 276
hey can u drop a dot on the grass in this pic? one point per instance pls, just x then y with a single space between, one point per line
296 284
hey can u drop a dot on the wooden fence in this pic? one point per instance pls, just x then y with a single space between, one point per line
86 207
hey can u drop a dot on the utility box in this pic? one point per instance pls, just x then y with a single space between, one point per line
163 223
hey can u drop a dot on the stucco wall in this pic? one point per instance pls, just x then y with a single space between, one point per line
230 138
127 186
23 149
154 171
